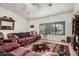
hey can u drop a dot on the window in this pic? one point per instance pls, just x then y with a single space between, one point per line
56 28
60 28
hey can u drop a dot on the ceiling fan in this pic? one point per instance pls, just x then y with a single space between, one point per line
40 4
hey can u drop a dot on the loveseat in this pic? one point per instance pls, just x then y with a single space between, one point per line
23 37
13 49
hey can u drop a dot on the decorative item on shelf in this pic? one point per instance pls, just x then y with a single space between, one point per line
31 26
68 39
63 41
6 23
11 19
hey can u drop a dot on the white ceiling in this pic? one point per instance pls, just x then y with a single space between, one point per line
30 10
76 9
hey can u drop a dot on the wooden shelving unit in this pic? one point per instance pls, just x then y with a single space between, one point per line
75 32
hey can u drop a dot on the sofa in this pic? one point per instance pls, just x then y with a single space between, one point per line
14 49
23 37
7 47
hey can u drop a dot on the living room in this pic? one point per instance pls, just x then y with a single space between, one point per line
44 25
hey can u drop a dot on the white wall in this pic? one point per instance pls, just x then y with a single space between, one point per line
21 24
67 17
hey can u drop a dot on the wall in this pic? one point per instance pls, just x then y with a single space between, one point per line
21 24
67 17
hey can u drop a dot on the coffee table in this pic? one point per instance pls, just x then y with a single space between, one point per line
40 47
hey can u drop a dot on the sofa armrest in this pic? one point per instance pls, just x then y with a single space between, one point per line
38 36
10 46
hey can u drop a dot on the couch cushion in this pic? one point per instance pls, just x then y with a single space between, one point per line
25 40
10 35
26 34
19 51
16 37
10 46
22 40
30 39
17 34
22 34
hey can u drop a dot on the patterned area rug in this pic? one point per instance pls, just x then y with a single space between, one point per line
53 47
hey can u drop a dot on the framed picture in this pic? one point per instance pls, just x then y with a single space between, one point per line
6 24
31 26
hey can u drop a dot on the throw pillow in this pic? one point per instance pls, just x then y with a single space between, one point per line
16 37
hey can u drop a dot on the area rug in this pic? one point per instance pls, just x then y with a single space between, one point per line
54 47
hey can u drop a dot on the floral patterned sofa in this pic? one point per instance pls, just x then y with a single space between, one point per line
14 49
23 37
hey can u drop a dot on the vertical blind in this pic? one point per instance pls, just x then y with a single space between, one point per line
54 28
